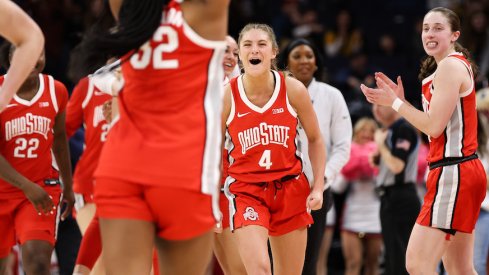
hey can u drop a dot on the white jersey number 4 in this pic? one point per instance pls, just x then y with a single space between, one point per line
142 59
266 159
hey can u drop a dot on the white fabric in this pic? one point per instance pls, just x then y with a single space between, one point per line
336 129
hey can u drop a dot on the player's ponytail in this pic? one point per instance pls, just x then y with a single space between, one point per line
138 20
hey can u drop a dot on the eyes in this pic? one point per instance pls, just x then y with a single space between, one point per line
435 28
299 56
249 44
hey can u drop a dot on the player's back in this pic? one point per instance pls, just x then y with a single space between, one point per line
170 107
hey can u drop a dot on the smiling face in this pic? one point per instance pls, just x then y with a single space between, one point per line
302 63
439 34
230 56
257 49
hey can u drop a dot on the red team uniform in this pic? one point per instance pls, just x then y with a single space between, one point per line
26 143
265 185
456 182
85 108
167 143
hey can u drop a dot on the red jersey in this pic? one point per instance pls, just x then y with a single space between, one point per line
459 138
85 107
263 139
27 133
169 127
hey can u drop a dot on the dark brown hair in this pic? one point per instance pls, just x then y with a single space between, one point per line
428 65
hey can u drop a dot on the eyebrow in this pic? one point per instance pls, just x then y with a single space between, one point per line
261 40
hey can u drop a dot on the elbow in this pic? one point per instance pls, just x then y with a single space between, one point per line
435 133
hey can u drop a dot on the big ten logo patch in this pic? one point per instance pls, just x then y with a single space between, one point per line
250 214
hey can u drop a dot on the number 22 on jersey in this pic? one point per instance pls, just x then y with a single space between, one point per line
141 60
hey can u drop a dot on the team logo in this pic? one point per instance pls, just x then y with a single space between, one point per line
242 115
277 111
250 214
43 104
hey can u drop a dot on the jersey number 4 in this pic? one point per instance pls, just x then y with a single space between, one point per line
142 59
266 159
25 148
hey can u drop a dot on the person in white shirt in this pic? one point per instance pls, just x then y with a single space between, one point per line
303 60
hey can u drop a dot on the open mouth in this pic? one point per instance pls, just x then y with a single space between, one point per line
255 61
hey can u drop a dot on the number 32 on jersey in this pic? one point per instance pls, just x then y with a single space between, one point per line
141 60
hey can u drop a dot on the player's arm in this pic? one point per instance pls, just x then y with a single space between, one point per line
36 194
301 102
28 40
209 18
74 110
62 156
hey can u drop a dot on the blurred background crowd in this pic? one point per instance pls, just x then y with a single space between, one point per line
356 38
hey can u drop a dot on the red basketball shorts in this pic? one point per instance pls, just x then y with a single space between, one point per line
454 196
20 222
278 206
179 214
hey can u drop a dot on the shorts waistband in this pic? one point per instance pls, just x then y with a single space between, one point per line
451 161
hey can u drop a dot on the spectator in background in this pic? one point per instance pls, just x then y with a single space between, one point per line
303 60
345 38
361 238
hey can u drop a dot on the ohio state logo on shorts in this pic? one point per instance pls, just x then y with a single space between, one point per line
250 214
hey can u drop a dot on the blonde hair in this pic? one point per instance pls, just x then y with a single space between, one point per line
362 123
265 28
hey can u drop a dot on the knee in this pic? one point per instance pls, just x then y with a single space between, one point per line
353 264
459 268
259 268
36 261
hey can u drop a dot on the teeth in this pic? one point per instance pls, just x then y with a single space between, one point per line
431 44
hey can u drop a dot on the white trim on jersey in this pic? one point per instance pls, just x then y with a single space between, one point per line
58 216
213 109
232 112
444 203
89 93
270 102
289 107
454 133
53 93
231 198
36 97
200 41
429 78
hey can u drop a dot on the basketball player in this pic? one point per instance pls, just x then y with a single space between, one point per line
160 164
269 196
456 182
33 130
85 108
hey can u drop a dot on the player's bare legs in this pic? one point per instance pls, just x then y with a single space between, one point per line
459 256
253 248
128 246
36 257
3 265
84 215
226 251
289 251
175 256
425 249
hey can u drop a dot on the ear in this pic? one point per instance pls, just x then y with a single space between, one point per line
455 36
274 53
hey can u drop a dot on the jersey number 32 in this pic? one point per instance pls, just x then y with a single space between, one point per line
141 60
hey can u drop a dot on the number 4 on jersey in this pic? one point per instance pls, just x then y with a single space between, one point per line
266 159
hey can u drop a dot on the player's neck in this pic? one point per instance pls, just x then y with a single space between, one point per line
29 88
